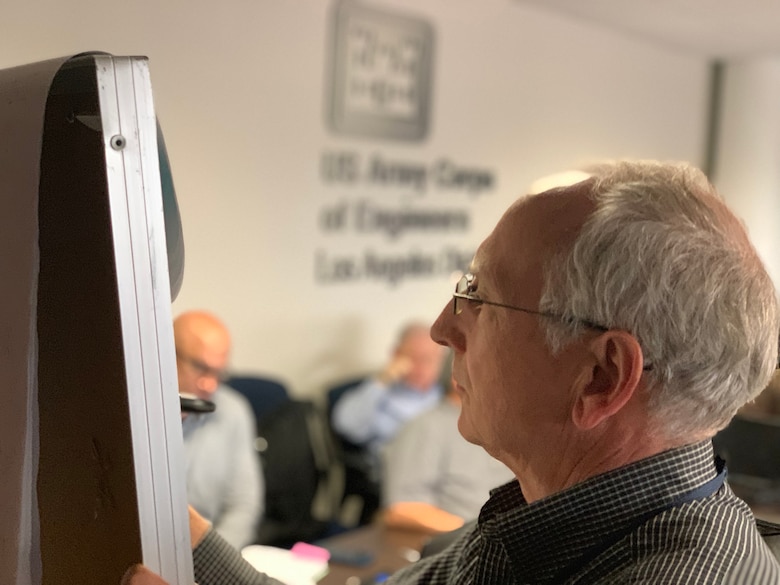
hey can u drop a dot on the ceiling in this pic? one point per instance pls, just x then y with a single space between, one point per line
720 29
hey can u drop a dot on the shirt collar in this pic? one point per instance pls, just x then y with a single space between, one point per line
543 537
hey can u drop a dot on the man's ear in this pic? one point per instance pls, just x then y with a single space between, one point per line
615 373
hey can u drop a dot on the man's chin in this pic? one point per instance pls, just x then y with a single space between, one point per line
466 431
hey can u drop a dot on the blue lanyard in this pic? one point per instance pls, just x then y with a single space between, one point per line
701 492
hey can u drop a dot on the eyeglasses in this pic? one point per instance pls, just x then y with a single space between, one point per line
203 369
467 286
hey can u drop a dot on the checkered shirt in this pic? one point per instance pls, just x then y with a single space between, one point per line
218 563
589 534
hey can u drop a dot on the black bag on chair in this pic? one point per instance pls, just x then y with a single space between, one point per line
301 483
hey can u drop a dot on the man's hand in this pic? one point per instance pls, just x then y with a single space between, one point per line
421 516
140 575
199 526
396 370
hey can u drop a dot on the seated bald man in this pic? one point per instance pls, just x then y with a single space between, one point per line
224 480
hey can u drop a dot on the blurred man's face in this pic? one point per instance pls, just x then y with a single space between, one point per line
202 364
425 360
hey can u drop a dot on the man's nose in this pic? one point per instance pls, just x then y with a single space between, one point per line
445 330
207 383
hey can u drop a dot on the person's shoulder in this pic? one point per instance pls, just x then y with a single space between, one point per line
706 523
436 428
429 397
712 538
444 413
228 399
367 384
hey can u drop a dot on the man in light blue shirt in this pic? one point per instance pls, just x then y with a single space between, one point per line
372 413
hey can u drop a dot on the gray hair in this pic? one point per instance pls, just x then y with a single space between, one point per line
663 258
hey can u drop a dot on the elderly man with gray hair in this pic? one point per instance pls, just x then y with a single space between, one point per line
605 332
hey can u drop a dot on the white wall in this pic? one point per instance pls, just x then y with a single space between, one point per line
240 91
748 154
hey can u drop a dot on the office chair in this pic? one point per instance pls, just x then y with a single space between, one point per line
361 495
302 480
751 448
264 394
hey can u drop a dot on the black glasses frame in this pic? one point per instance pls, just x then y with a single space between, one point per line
204 369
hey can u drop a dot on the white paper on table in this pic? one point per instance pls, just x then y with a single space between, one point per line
285 565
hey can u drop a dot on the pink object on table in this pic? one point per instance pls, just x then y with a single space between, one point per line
310 551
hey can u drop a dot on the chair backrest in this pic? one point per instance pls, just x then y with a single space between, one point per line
302 480
332 396
751 446
361 492
264 394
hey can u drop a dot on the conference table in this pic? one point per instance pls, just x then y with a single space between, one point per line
380 551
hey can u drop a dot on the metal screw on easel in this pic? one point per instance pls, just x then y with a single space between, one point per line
118 142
